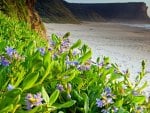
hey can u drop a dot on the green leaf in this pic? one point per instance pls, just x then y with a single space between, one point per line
106 60
53 97
86 103
84 48
45 95
36 110
75 45
115 76
121 110
8 100
86 56
30 80
77 95
72 74
13 93
47 60
139 99
55 39
66 35
119 103
142 87
7 109
66 104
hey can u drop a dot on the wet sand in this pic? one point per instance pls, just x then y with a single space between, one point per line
126 46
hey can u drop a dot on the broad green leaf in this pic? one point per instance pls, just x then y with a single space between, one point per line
47 60
106 60
66 35
30 80
84 48
53 97
139 99
66 104
121 110
119 103
13 93
115 76
55 39
8 100
37 59
69 78
45 95
86 56
75 45
37 109
7 109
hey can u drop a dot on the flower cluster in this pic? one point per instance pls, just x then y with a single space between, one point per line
86 66
42 50
65 44
10 87
33 100
11 54
4 61
106 100
10 51
60 87
67 89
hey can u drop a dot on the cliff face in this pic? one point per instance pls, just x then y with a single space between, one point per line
23 10
54 11
61 11
110 11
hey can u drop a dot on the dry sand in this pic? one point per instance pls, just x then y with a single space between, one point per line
126 46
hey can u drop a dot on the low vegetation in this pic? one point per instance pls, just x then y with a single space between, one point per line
37 76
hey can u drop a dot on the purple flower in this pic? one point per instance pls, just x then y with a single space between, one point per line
65 44
109 101
10 51
108 91
60 87
72 63
4 62
42 50
99 103
76 52
100 64
115 109
104 111
84 67
52 43
33 100
10 87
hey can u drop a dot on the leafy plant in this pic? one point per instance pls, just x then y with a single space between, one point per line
39 76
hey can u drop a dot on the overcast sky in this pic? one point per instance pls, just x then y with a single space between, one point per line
110 1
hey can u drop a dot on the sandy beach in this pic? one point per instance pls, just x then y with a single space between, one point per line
127 46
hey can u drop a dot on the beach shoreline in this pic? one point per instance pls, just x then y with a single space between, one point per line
126 46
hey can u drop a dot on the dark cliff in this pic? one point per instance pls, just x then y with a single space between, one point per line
54 11
110 11
64 12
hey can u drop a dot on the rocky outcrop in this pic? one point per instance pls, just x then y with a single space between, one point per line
55 11
136 11
64 12
23 10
